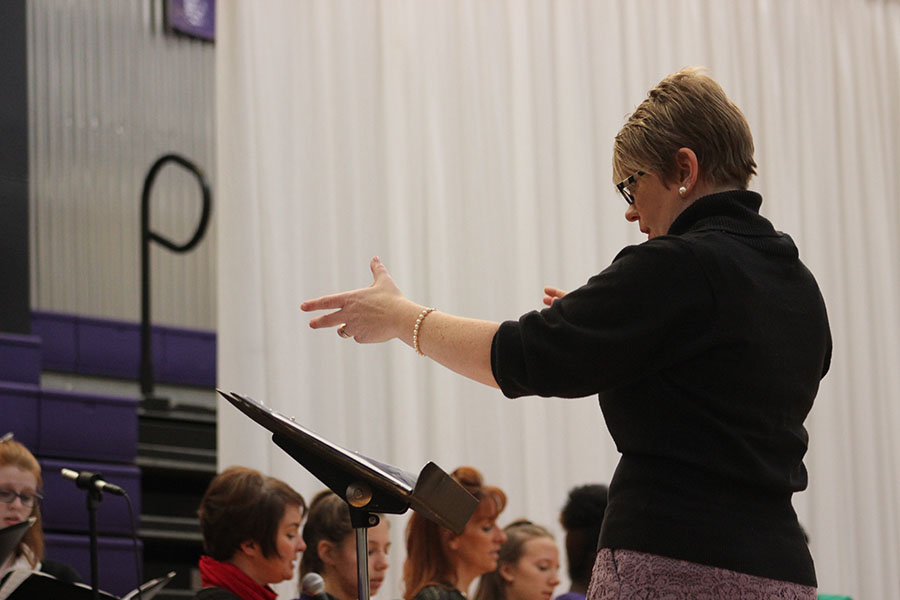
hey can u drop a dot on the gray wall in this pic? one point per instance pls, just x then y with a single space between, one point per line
109 92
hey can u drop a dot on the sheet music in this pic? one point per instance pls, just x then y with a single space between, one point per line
11 536
265 416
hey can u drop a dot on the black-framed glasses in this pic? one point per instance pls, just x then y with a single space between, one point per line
28 500
622 186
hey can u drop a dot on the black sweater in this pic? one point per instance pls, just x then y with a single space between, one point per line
706 347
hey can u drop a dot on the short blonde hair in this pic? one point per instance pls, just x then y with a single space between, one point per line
687 109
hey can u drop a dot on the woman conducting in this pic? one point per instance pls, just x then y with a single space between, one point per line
705 344
251 535
441 565
331 548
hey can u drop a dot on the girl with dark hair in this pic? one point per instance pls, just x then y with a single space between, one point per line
251 535
331 548
582 517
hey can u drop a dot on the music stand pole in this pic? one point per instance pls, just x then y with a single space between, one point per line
361 521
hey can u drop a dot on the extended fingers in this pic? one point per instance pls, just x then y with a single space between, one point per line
555 292
330 320
552 294
324 302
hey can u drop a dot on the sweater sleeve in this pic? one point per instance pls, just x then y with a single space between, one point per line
646 311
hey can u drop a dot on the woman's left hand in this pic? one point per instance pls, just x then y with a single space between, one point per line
552 294
368 315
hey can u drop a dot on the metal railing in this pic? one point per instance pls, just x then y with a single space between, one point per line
147 236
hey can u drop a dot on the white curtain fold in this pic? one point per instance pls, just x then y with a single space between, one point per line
468 144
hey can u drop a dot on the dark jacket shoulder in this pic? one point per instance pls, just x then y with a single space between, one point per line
214 593
438 592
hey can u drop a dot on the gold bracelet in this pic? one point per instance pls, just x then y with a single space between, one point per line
422 315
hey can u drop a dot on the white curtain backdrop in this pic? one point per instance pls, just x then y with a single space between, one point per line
468 144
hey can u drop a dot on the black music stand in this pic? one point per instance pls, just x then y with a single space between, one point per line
368 486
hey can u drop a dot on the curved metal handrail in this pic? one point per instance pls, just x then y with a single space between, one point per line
148 236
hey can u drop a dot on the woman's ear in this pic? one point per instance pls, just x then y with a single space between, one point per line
449 539
250 548
326 550
507 572
688 171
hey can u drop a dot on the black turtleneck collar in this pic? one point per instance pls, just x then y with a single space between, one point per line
736 211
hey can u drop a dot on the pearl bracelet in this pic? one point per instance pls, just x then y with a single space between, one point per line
422 315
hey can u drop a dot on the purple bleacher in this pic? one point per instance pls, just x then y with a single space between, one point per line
187 357
58 336
20 358
115 561
19 406
63 507
108 348
93 346
87 426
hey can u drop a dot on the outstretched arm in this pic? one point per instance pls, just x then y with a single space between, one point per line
380 313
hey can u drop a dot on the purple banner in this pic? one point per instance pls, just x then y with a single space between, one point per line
196 18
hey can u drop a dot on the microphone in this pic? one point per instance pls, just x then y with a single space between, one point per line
87 480
313 586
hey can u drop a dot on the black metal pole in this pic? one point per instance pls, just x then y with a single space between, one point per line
93 502
146 350
361 520
148 236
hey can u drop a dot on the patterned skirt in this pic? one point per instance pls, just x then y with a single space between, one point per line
626 575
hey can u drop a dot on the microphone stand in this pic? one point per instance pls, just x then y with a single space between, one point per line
94 496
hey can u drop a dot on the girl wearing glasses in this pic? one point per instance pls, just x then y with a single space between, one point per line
705 345
20 484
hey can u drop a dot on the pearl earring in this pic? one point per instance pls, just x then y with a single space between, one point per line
683 191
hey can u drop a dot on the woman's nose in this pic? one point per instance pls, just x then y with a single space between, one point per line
631 213
381 562
501 536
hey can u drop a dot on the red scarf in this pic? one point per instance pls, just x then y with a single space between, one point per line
214 573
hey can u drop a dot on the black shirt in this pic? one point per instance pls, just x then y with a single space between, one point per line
439 592
214 593
706 347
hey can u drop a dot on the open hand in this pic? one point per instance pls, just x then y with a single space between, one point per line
368 315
